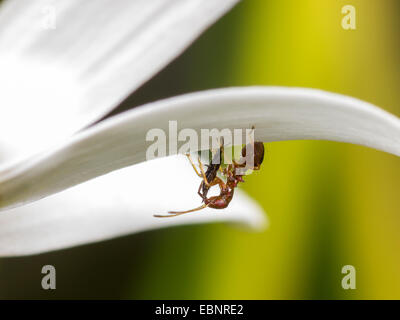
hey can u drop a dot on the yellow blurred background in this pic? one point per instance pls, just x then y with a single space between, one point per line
329 204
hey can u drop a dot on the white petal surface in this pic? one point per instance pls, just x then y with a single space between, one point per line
120 203
65 63
277 113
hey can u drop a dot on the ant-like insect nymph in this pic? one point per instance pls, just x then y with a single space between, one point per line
231 172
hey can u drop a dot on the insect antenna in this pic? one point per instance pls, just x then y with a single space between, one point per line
178 213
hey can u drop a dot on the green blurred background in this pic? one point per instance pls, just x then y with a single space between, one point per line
329 204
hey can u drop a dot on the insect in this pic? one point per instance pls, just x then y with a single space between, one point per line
230 172
211 174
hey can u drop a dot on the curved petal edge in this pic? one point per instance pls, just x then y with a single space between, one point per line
278 113
117 204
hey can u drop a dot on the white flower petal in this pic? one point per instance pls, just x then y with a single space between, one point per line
277 113
120 203
65 63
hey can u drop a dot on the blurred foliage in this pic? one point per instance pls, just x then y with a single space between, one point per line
329 204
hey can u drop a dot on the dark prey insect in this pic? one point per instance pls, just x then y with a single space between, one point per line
231 173
211 173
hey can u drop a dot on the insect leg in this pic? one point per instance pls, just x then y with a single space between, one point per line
219 182
203 174
199 193
193 165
